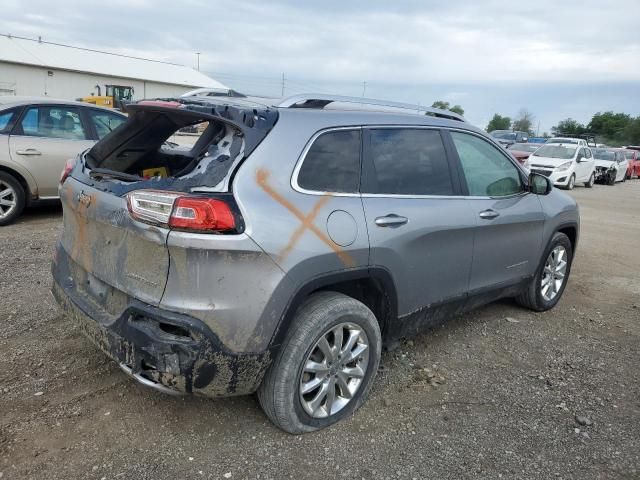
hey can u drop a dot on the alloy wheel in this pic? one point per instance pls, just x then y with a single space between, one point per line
8 199
554 273
334 370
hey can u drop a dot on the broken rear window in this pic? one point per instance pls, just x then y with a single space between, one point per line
178 145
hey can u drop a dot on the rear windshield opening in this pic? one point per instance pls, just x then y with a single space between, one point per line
154 144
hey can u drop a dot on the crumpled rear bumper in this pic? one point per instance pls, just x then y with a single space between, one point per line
161 349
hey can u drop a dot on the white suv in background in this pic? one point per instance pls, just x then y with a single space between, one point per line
565 163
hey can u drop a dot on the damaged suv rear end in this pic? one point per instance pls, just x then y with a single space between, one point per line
153 246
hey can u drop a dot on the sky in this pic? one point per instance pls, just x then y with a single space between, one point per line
556 59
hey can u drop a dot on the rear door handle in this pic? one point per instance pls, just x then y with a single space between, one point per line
489 214
391 220
29 151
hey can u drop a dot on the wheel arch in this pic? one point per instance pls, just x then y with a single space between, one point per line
21 180
373 286
571 231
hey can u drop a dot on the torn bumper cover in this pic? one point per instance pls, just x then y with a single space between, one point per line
167 351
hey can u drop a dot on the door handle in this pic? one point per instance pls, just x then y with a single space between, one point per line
489 214
391 220
29 151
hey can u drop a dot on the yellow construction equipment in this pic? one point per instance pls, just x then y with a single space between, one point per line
113 97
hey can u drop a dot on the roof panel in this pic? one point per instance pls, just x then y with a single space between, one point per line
65 57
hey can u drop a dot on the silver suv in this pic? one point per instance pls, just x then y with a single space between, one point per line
293 240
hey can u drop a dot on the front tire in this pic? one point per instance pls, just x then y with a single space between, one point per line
12 198
592 180
572 182
325 367
547 286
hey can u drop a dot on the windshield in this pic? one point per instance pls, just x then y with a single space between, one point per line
503 134
524 147
602 154
555 151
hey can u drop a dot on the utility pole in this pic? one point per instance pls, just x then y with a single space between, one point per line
282 84
364 88
198 57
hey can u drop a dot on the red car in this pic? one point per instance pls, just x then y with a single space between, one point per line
521 151
632 154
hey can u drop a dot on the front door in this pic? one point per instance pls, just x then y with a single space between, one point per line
43 139
509 220
420 228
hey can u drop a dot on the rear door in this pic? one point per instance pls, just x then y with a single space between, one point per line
420 228
509 220
44 138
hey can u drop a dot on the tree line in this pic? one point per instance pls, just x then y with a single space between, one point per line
608 127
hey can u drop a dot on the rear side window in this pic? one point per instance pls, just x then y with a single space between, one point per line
105 122
405 161
332 164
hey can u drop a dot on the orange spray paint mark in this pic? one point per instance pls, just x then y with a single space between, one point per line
306 221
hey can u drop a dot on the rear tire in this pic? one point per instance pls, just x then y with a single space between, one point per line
12 198
281 393
533 297
592 180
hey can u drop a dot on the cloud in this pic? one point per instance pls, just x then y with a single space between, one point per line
414 41
336 45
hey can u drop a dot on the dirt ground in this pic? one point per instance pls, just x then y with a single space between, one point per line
513 382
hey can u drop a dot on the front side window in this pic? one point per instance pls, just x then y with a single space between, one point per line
487 171
53 122
105 122
5 120
332 164
406 161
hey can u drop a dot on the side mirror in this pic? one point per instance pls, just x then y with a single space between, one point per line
539 184
579 158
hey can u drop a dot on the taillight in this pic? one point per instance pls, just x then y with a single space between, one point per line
184 212
194 213
68 166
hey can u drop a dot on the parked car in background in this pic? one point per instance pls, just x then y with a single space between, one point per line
611 165
583 139
632 154
568 141
509 137
522 151
37 137
565 164
261 261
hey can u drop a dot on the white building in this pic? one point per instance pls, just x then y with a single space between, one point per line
36 68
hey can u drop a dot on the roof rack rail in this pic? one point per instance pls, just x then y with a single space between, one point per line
311 100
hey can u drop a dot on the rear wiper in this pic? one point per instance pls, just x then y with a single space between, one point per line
104 172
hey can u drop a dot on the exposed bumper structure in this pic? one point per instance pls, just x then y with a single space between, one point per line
170 352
